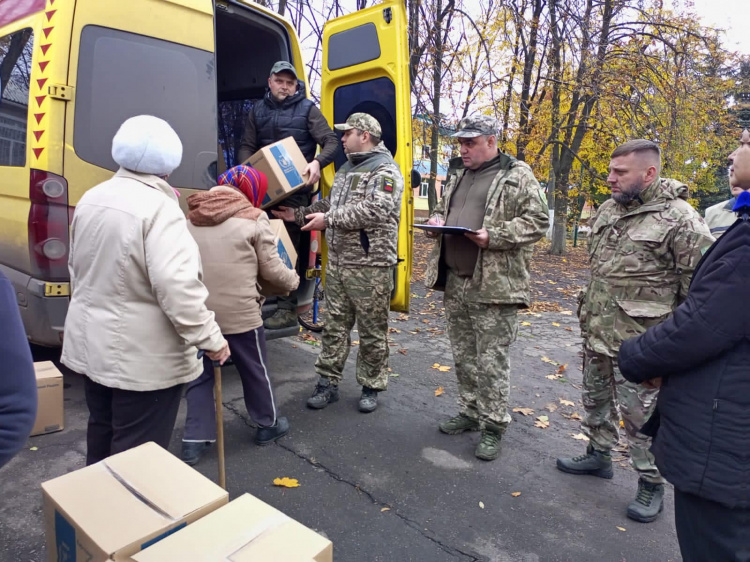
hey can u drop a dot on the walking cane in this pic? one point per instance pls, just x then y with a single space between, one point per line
219 421
219 425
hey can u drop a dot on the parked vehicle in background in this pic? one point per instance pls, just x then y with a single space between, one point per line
71 71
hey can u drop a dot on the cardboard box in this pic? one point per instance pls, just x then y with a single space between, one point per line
287 253
49 386
123 504
283 164
245 530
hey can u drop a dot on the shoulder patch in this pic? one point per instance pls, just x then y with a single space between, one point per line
388 184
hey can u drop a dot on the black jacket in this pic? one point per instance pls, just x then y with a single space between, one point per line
17 379
703 354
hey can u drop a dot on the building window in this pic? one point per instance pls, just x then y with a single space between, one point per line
15 53
424 188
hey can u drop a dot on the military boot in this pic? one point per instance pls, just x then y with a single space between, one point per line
369 400
489 445
593 462
282 318
325 393
648 502
458 424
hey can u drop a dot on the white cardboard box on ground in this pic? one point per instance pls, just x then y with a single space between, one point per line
245 530
49 386
123 504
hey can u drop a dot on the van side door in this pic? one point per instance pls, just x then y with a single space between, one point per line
366 68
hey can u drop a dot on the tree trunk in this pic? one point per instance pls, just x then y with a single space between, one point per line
524 125
437 72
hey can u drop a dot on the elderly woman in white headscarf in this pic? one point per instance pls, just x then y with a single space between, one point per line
137 312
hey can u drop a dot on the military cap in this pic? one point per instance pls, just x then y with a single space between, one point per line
363 122
476 125
283 66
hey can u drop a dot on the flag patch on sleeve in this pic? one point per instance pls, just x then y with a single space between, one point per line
388 184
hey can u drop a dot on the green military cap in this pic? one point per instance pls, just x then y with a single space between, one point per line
283 66
476 125
363 122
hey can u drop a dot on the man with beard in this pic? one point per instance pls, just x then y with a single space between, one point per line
644 245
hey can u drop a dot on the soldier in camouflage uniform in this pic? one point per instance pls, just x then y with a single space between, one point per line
720 217
485 275
360 217
644 244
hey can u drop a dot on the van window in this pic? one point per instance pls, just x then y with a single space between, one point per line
376 97
15 75
122 74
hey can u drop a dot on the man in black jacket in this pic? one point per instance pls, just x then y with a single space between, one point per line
700 357
17 381
284 112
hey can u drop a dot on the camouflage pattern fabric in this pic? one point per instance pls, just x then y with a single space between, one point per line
642 256
720 217
362 210
362 294
480 336
607 398
515 217
363 122
476 125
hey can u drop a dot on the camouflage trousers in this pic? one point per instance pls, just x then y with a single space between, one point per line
480 335
607 398
361 294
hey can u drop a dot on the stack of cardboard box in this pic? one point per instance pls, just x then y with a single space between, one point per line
146 505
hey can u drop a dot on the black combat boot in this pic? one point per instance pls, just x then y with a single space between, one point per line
489 444
648 502
325 393
369 400
192 451
596 463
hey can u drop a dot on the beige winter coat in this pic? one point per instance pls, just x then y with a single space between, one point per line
234 251
137 313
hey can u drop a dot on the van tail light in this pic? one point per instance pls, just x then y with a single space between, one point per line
49 226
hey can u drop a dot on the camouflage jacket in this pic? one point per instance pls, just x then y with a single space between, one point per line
720 217
362 210
515 217
642 256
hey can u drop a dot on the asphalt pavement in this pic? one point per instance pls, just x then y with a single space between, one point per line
388 486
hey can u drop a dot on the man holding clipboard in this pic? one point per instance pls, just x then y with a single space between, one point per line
497 211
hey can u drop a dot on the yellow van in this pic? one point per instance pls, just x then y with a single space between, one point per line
71 71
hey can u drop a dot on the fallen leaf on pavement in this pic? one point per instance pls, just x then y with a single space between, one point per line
439 390
548 360
574 416
551 407
569 329
403 351
566 312
355 342
542 421
481 504
555 324
561 368
525 323
385 509
553 377
579 436
524 411
515 494
441 368
621 529
286 482
566 402
394 330
394 375
34 449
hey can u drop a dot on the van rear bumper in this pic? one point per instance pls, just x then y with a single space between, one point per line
43 317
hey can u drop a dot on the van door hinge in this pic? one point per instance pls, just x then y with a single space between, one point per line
60 91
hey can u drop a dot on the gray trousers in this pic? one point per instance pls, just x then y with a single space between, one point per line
249 356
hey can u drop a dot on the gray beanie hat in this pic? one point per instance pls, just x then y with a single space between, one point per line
148 145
